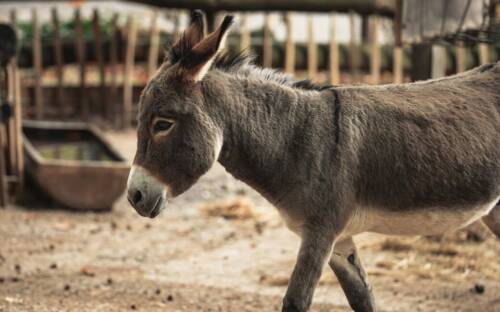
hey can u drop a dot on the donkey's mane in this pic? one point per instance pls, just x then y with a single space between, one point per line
243 64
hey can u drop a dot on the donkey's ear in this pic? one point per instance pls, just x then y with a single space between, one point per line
191 36
197 62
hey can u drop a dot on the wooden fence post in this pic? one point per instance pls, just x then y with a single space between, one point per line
460 57
354 58
19 170
334 53
484 57
267 45
374 50
312 53
289 45
37 65
80 56
114 109
398 49
58 56
128 82
96 27
245 36
154 44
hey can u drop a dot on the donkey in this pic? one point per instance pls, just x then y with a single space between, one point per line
410 159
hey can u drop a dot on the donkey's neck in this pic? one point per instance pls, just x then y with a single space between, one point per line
270 130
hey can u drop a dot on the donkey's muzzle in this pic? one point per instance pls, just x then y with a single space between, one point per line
145 193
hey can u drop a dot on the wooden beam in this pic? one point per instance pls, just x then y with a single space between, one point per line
37 64
96 27
80 56
374 50
128 82
312 50
381 7
334 52
267 45
58 56
289 45
154 44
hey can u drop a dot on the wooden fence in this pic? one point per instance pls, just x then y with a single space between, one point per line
112 101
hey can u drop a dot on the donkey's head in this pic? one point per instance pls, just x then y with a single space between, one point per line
177 139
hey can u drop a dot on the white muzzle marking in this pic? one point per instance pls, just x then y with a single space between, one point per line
145 192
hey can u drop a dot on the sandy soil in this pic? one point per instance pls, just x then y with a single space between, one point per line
200 256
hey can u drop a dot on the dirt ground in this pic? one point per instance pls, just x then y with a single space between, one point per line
219 247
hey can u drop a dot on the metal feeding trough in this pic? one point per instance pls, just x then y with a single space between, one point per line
73 164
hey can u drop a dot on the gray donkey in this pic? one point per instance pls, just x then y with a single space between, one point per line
410 159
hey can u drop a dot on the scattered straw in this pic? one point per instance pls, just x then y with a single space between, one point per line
237 209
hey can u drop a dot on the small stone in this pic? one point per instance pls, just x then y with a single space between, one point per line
479 289
67 287
109 281
53 266
133 307
170 298
2 280
15 279
17 267
158 291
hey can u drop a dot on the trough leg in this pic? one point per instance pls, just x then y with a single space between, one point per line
347 266
315 248
492 220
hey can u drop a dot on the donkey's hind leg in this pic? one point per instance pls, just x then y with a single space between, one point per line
492 220
351 275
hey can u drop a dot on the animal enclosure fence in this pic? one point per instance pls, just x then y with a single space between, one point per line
111 58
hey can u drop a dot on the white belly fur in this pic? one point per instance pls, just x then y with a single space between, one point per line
429 221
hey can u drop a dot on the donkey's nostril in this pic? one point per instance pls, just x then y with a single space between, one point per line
137 197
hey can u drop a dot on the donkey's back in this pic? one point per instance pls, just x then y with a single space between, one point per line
427 154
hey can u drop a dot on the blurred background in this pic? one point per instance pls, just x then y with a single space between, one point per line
70 79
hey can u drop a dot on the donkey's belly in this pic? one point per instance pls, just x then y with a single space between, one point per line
428 221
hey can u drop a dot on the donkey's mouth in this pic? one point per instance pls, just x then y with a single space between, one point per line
157 208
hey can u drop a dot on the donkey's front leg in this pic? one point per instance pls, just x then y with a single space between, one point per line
315 249
351 275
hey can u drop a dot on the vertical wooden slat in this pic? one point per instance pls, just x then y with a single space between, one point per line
113 107
245 37
374 50
154 44
80 55
267 46
96 27
58 56
289 45
460 57
484 57
398 50
129 72
334 53
17 114
3 171
354 58
439 60
312 52
37 65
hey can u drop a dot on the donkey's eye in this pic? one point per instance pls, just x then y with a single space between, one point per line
162 125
